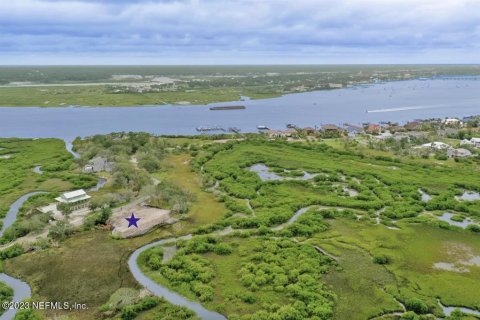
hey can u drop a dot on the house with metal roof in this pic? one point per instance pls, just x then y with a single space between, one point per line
76 199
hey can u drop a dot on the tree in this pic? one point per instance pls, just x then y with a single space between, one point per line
60 230
65 208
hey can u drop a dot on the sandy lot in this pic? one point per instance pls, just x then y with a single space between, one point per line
149 218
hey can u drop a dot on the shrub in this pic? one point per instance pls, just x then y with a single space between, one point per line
381 259
474 228
416 305
12 252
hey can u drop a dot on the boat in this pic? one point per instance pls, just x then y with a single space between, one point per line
228 108
263 128
291 126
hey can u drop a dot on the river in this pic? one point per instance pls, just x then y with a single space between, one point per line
392 101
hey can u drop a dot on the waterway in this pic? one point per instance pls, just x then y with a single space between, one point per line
164 292
101 182
447 217
21 290
13 211
392 101
174 297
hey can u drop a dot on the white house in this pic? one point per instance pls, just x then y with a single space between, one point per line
76 199
452 122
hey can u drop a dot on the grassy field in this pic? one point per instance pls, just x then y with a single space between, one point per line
414 250
206 208
97 95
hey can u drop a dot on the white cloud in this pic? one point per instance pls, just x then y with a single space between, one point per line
314 30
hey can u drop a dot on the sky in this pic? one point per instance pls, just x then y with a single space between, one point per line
87 32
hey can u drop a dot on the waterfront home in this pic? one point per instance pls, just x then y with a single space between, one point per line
331 128
458 153
309 130
77 199
98 164
373 128
353 128
454 122
413 125
289 133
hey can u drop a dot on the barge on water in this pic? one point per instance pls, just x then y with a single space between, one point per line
228 108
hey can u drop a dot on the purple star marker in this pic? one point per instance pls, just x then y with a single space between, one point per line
132 221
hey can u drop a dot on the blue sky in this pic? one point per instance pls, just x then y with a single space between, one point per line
239 32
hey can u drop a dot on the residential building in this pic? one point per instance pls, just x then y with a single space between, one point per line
373 128
98 164
452 122
77 199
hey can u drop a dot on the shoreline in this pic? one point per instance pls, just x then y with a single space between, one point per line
209 103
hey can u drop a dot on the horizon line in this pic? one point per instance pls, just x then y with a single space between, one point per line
239 64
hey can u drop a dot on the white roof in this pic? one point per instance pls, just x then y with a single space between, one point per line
436 144
475 140
451 120
74 194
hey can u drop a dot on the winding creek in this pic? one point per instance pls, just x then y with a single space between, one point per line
164 292
69 147
101 182
174 297
21 290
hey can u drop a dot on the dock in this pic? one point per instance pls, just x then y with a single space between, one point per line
213 128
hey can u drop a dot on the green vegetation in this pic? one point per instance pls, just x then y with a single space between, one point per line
104 259
379 252
6 295
352 228
240 277
148 85
16 171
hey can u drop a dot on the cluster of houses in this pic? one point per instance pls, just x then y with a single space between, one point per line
417 130
293 131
